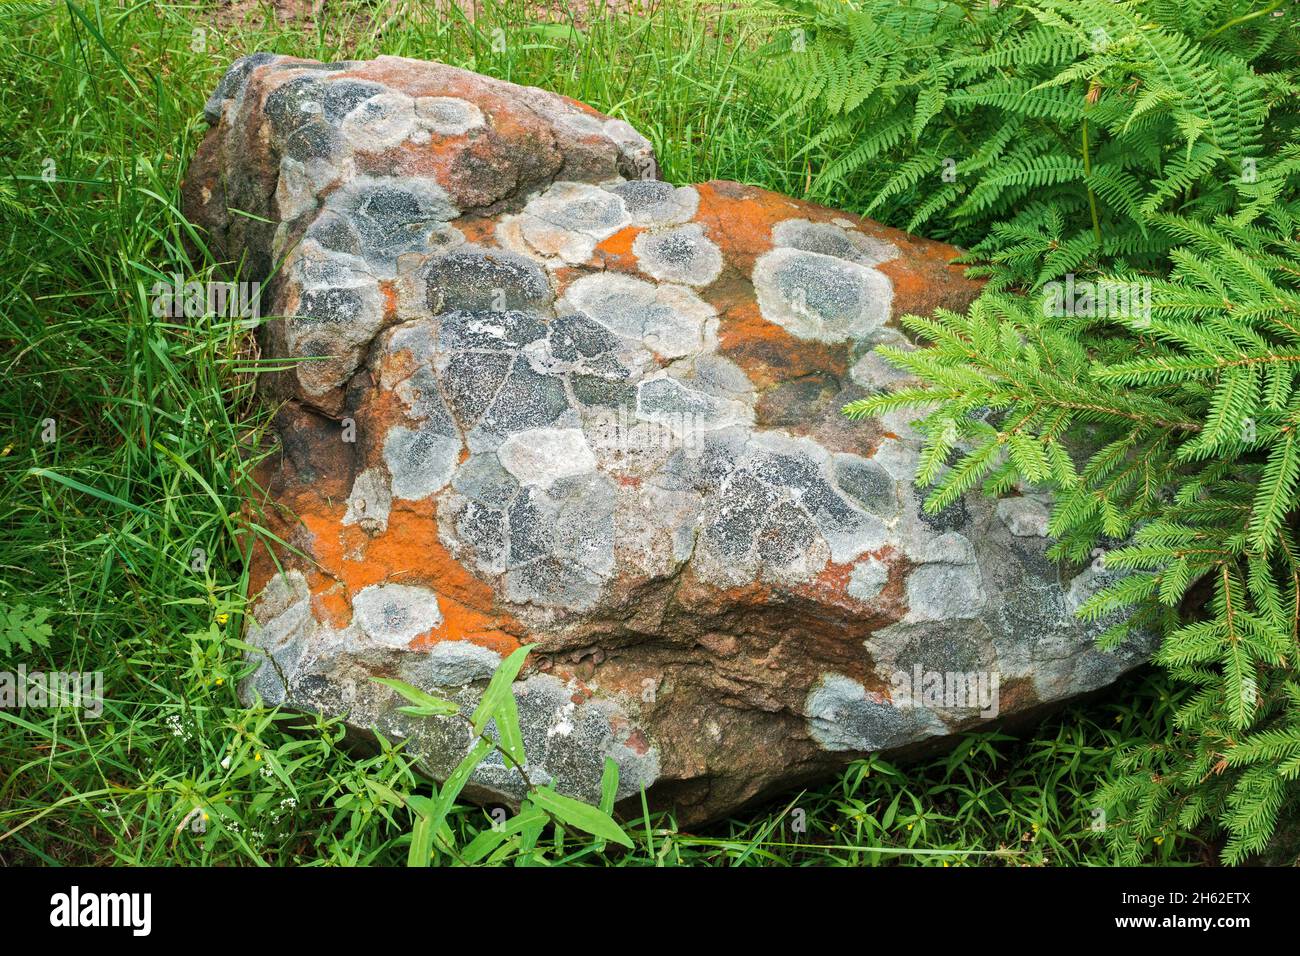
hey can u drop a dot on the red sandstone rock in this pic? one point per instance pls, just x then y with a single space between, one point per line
543 397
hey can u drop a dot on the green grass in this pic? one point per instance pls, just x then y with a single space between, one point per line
101 525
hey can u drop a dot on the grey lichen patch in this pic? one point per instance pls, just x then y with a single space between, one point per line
553 582
670 320
567 743
448 115
951 547
872 370
682 254
282 611
496 331
420 460
301 181
568 219
543 456
868 484
843 716
293 104
320 117
949 584
867 579
452 664
379 122
282 625
948 646
526 399
541 523
561 540
686 410
320 124
775 514
720 376
395 614
337 311
937 592
391 216
1065 659
369 502
1024 517
473 279
481 478
233 82
652 203
339 98
803 467
309 98
898 458
829 239
422 395
818 297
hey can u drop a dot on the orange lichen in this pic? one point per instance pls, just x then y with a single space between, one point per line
616 251
479 231
389 292
768 353
409 552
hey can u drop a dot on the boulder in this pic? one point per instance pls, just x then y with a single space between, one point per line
530 393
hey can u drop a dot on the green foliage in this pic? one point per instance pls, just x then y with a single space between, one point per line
23 628
432 836
1189 417
1142 146
1045 134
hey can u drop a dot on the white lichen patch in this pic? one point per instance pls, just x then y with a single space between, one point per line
842 715
395 614
542 456
369 502
682 254
670 320
448 115
831 239
818 297
569 219
379 123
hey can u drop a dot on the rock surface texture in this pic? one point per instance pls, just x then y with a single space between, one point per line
539 396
